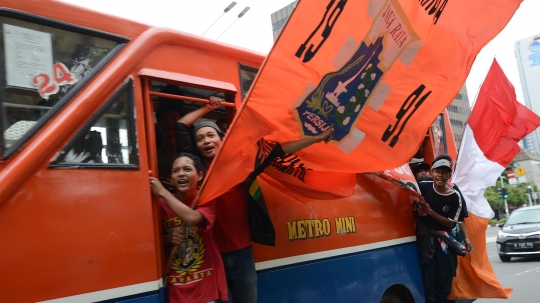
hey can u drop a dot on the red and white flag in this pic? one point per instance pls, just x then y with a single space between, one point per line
490 142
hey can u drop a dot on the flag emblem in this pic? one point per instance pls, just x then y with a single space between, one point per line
341 96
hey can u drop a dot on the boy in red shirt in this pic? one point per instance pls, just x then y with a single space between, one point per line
196 274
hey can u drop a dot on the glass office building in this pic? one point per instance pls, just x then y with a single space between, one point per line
527 53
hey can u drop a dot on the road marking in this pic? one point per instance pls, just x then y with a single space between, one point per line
525 272
491 239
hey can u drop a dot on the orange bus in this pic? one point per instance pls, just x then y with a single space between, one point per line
80 139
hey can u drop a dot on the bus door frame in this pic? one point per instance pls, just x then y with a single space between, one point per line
148 75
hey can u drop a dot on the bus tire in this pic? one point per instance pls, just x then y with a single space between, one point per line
391 297
397 294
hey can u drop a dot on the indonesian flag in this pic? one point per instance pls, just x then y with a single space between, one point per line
378 71
497 123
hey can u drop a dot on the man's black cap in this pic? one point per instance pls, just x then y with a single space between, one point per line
419 166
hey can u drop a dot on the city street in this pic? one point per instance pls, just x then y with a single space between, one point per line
521 274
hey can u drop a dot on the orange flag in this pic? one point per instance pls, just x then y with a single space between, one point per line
379 71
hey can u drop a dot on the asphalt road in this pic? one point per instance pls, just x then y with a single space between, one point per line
521 274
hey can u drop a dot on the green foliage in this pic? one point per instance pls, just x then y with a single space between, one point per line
502 221
517 195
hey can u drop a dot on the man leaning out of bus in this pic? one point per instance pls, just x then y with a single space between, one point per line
438 251
422 173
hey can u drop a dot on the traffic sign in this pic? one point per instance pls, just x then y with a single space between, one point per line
510 174
522 179
512 181
520 171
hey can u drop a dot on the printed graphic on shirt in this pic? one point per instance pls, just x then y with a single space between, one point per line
189 258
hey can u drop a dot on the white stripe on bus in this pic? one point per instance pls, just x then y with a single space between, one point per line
332 253
112 293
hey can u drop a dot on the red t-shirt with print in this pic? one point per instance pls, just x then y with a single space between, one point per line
196 274
232 226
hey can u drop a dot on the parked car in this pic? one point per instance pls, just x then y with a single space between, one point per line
520 235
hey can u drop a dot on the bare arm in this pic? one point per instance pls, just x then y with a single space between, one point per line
468 243
294 146
185 213
193 116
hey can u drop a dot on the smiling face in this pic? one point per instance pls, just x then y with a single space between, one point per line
184 176
440 176
208 142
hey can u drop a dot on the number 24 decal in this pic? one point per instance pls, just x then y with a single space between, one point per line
47 86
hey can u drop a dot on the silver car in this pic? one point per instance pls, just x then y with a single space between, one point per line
520 235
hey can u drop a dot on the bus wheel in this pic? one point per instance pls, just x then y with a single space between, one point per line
397 294
391 297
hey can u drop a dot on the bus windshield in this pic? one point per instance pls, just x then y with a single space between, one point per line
42 66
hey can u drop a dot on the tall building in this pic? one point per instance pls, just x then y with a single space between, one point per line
279 18
527 52
458 111
531 164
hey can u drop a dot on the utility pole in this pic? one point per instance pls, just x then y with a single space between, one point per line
529 193
505 202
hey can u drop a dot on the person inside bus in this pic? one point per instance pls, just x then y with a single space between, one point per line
421 172
240 218
223 126
438 251
196 273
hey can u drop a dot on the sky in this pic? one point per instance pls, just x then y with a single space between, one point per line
254 30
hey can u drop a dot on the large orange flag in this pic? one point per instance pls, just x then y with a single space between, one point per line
379 71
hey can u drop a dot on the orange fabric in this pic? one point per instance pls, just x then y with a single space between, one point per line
378 71
475 277
310 187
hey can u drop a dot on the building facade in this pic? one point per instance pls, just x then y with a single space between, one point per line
531 164
527 52
458 111
279 18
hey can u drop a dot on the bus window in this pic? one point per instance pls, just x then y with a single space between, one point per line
247 76
109 138
170 110
43 67
438 135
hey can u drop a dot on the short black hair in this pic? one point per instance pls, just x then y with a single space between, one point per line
447 158
444 157
419 166
196 160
